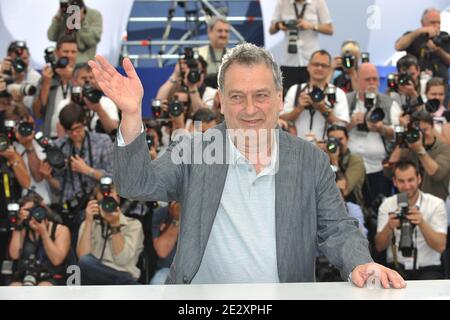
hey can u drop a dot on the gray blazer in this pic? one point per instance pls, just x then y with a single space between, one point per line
309 211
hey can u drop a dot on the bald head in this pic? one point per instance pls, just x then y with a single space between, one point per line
368 78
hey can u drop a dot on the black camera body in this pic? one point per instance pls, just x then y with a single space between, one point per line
108 204
92 94
404 79
440 39
149 138
431 106
413 132
373 114
34 270
292 29
192 62
333 144
406 244
50 58
55 156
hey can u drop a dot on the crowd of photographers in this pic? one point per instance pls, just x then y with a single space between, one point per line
58 205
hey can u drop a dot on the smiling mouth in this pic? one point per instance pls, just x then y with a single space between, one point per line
252 122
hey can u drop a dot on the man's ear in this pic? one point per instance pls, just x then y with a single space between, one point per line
221 101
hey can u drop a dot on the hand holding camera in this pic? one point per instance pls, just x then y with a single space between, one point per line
303 101
47 73
415 216
79 165
45 169
39 226
92 210
393 222
302 24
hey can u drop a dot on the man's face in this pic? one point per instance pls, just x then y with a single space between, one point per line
83 77
68 50
250 99
436 92
219 35
319 67
76 132
432 19
407 181
340 135
368 78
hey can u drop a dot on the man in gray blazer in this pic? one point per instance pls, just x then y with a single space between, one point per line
249 214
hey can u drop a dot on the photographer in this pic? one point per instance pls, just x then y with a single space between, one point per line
350 165
55 83
165 229
219 36
40 245
16 68
301 21
423 148
87 37
29 150
408 89
189 75
109 243
312 105
88 158
347 65
370 130
429 45
435 91
102 115
414 229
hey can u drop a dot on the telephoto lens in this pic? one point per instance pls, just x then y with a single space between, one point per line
333 145
413 134
376 115
175 108
92 94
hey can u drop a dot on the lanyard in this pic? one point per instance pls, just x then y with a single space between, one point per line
302 13
214 58
65 90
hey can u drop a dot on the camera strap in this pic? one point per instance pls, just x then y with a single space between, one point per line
302 13
65 90
214 59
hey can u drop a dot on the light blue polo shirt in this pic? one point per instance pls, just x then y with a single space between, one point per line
242 245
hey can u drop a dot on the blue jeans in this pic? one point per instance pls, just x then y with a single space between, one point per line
93 272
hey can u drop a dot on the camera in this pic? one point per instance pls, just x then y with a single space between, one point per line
25 128
440 39
431 106
76 95
38 212
330 92
108 204
348 60
333 144
55 156
7 137
392 82
33 270
413 133
316 94
17 63
92 94
406 244
192 63
13 213
25 89
404 78
373 114
176 107
365 57
292 30
50 58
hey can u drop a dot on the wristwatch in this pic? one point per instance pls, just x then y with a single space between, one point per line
115 229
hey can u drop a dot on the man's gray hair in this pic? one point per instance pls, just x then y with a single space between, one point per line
248 54
428 10
213 20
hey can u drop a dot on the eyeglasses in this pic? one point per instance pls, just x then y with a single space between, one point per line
321 65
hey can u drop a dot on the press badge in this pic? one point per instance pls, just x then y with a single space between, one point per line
409 263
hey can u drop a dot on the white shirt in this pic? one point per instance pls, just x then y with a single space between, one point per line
32 78
318 122
42 187
369 145
317 13
208 96
434 213
242 243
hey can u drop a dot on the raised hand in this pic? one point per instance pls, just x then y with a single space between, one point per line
125 92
